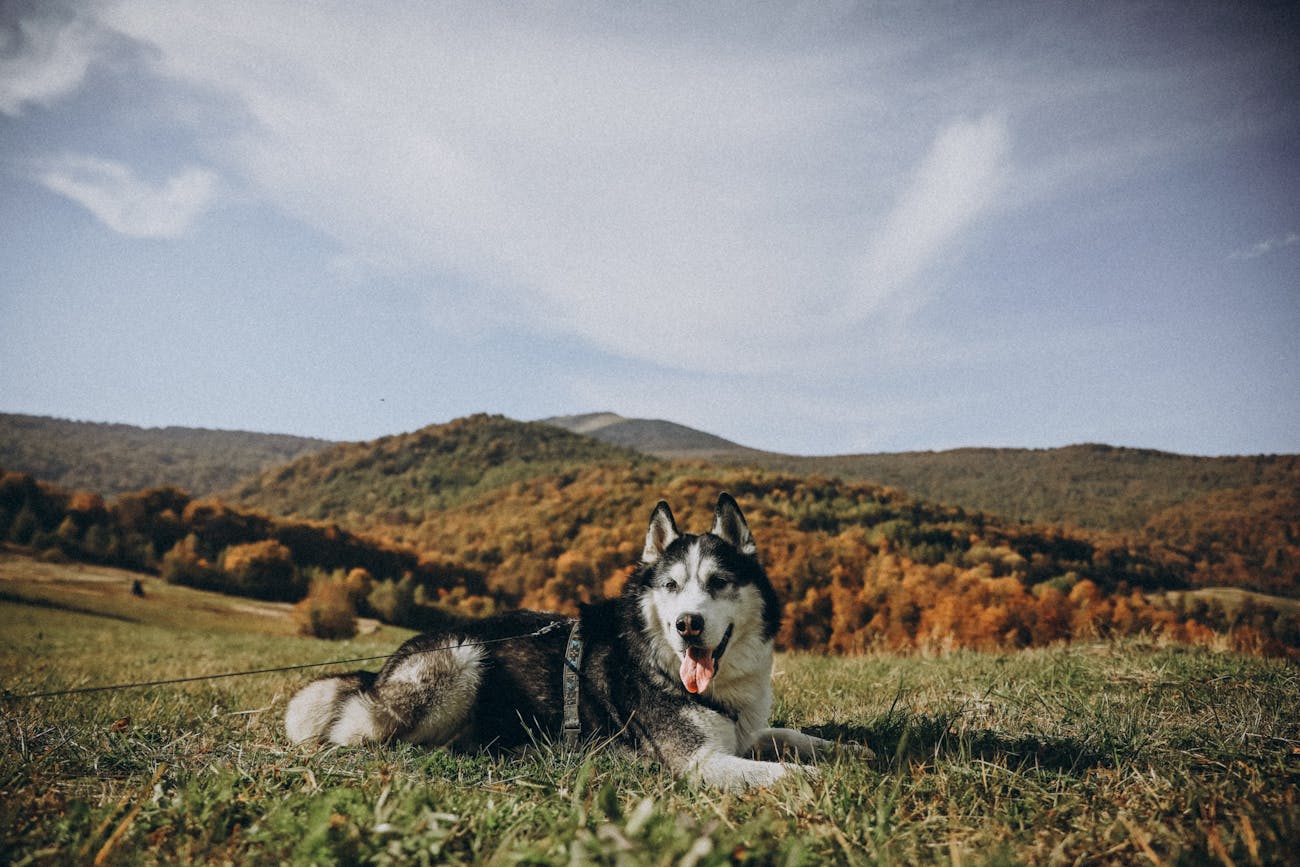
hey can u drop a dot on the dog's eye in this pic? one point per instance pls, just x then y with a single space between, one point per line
717 583
670 585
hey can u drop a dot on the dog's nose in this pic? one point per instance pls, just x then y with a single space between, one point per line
690 625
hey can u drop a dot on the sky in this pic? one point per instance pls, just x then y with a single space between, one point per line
815 228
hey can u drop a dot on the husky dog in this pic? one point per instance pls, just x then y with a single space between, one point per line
678 668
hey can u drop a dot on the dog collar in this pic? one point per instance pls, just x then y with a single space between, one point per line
572 666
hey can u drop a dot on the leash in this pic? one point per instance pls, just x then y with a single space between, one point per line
572 667
6 695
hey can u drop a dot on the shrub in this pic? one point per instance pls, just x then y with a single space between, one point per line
183 565
326 611
24 526
393 601
359 582
263 569
53 555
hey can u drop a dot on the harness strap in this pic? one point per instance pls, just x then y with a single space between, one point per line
572 666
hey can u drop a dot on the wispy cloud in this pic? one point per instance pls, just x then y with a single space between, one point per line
587 181
1268 245
44 55
815 193
128 205
959 178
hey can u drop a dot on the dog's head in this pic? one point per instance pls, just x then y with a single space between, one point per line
701 595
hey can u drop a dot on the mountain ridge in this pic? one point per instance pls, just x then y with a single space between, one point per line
857 563
411 474
111 458
1093 485
658 437
528 514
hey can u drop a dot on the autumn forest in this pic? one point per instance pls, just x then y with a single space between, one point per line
485 513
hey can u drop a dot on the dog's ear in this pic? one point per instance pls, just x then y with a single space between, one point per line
729 525
662 533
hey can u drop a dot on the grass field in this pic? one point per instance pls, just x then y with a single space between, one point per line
1096 754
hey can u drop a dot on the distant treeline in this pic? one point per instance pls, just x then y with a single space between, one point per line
204 544
399 479
859 565
113 459
485 512
1094 486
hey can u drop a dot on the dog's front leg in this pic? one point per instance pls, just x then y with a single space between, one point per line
777 744
713 758
735 773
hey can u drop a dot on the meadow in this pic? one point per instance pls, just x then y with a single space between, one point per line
1126 752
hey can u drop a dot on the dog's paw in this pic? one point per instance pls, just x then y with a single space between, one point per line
737 774
794 775
857 751
810 773
843 750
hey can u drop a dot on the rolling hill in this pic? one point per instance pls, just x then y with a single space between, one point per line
494 512
1094 486
663 439
550 518
400 479
112 459
1090 486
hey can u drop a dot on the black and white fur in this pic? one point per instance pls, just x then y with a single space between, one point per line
706 592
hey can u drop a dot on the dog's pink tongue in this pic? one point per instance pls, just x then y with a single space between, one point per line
697 669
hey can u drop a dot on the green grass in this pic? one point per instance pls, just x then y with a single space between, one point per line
1126 753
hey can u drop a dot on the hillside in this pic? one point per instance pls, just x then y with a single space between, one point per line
662 439
485 512
199 542
495 512
106 591
397 480
1237 536
1091 486
1096 486
556 523
112 459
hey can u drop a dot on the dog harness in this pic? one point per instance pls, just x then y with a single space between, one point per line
572 666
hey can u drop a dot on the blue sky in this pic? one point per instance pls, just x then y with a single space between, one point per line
813 228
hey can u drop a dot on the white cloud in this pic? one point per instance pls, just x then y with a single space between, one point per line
958 180
593 181
128 205
673 192
756 203
1268 245
43 57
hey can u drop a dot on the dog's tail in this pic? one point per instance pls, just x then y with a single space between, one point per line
331 708
425 695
